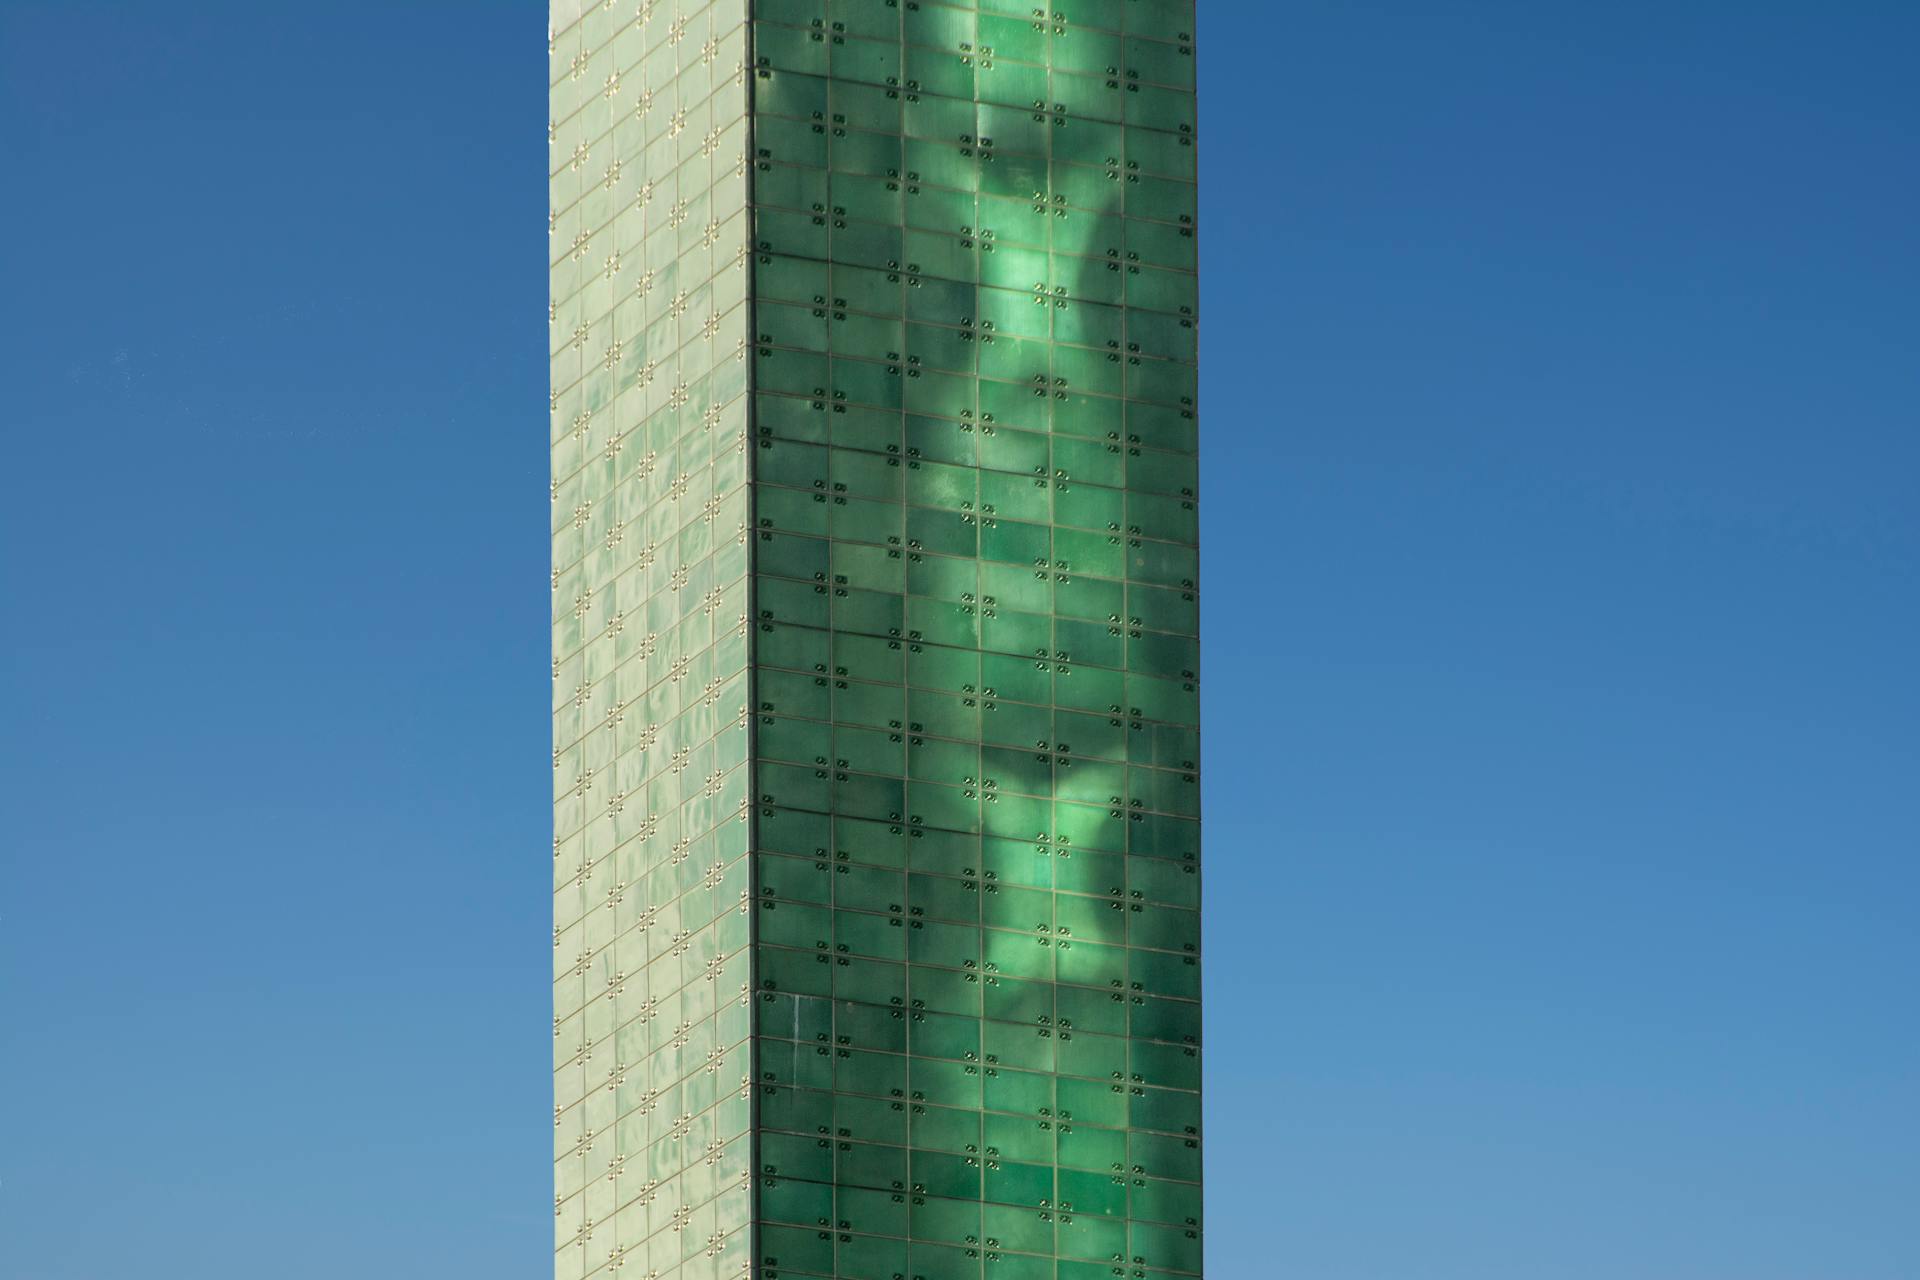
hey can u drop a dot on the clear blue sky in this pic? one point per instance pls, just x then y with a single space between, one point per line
1561 609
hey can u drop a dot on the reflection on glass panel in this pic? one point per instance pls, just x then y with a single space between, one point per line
975 784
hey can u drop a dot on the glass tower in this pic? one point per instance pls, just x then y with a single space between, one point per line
875 760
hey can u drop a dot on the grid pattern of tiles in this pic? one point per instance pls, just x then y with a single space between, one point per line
975 645
874 551
647 139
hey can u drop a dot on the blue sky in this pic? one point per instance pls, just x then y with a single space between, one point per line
1560 558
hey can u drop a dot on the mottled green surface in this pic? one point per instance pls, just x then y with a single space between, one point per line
974 792
975 567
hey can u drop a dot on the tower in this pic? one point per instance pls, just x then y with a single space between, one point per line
875 662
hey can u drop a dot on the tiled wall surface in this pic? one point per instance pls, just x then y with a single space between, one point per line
975 561
647 240
964 681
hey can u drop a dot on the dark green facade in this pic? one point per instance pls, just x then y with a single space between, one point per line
952 836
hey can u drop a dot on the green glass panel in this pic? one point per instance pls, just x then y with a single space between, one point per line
1005 658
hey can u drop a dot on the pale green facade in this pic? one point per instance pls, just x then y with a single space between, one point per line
875 652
